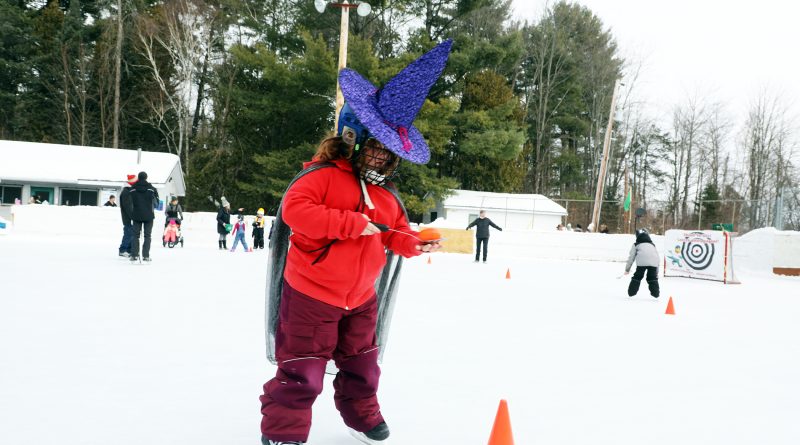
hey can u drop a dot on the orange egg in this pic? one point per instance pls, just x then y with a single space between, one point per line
429 234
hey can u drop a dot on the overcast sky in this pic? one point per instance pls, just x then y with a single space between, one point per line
726 50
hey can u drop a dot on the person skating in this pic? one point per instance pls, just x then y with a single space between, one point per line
174 212
336 210
258 230
238 234
482 234
646 255
141 201
224 223
127 224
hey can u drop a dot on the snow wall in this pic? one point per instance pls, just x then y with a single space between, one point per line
759 250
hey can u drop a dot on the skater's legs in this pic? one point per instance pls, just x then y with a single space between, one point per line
479 242
652 281
244 243
148 229
304 342
356 356
127 234
636 280
485 248
235 242
137 232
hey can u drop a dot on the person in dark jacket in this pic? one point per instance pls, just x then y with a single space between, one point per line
224 223
482 234
111 202
173 211
141 201
127 225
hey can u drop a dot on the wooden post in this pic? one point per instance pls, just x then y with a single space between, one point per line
601 177
343 33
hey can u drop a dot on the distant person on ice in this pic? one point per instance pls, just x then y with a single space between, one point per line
647 259
258 230
141 201
344 213
127 224
238 234
174 211
112 202
482 234
224 223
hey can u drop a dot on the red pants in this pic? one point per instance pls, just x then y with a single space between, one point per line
309 334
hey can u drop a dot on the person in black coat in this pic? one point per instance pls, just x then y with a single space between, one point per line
127 225
141 201
482 234
224 222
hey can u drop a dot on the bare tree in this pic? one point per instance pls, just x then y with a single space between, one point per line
543 69
180 30
767 151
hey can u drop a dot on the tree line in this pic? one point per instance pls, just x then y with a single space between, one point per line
243 90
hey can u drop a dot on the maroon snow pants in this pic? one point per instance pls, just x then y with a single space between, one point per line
309 334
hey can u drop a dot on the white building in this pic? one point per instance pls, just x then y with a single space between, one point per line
75 175
508 210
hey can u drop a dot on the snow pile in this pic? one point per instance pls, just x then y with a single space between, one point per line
755 250
105 223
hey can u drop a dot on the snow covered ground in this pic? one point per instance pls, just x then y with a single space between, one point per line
94 350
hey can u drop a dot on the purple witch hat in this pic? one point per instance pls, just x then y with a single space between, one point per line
389 112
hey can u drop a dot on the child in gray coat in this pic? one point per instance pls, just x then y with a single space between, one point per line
647 259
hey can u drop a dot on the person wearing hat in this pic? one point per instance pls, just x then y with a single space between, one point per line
127 224
174 212
258 230
647 259
343 214
224 223
143 198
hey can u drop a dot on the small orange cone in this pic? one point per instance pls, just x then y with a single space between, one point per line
670 307
429 259
501 431
508 274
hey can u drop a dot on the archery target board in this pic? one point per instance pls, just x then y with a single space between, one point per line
703 254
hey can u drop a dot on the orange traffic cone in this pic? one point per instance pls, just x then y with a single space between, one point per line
670 307
429 259
501 431
508 274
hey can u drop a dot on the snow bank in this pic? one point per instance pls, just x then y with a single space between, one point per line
106 223
758 250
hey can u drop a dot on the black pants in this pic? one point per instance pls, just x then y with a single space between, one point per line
485 242
137 230
258 238
652 280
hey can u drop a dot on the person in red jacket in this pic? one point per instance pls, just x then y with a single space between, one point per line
343 218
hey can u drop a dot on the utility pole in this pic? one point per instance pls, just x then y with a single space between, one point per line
363 9
601 177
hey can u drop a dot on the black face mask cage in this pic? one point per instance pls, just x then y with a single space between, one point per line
369 157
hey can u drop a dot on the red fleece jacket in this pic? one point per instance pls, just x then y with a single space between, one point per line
323 206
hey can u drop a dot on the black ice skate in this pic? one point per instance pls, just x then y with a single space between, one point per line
265 441
374 436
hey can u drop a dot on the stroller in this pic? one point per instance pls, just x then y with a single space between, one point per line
172 234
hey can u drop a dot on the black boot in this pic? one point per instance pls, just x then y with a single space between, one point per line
219 242
633 288
225 244
653 286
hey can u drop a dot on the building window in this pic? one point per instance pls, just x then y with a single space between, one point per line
71 197
10 193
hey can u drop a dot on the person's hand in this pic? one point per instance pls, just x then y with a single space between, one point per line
370 229
626 272
241 209
429 247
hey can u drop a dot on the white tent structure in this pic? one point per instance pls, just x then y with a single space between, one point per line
508 210
77 175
